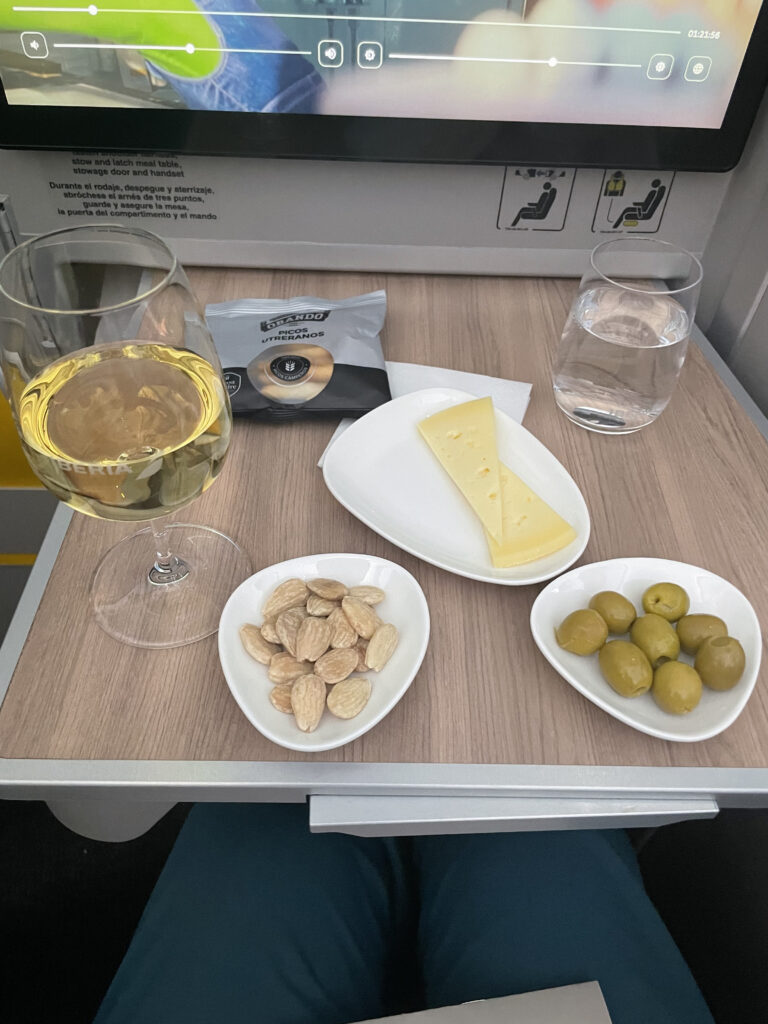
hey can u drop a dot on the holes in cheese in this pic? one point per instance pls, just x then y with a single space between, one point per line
531 528
463 439
520 527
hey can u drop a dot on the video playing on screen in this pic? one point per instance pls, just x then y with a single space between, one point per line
629 62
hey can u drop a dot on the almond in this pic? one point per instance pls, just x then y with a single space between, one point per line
287 595
256 645
368 595
284 668
361 647
269 632
320 605
313 638
308 701
342 634
287 627
349 697
361 617
280 698
381 647
336 665
331 590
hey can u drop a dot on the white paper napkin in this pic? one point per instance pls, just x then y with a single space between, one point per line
511 396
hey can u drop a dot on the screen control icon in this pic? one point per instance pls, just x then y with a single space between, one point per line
660 66
698 69
34 45
370 55
330 53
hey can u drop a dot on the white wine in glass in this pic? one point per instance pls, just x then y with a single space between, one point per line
126 430
123 414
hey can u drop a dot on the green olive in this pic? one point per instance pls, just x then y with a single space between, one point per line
693 630
720 662
618 612
625 668
667 600
676 687
656 639
582 632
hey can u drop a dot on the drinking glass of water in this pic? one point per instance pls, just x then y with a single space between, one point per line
625 340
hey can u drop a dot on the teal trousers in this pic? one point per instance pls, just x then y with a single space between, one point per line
256 921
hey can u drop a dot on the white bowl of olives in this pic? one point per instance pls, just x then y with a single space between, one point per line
668 648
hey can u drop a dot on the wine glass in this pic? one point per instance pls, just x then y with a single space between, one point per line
118 398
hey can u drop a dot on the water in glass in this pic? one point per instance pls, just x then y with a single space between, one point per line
620 356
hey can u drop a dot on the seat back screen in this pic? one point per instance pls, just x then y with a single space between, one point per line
662 63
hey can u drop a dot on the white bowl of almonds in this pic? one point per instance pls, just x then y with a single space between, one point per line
318 649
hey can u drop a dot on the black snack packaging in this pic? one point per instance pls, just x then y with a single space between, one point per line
294 358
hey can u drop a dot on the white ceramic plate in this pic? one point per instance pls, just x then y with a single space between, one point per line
631 577
383 472
405 606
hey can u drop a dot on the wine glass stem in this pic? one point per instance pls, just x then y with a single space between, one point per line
167 567
163 557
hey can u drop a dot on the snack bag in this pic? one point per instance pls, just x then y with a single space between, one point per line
291 358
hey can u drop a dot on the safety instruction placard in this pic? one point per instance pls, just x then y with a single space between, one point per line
535 198
632 201
151 188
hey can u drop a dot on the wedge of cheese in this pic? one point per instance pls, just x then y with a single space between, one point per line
463 438
531 528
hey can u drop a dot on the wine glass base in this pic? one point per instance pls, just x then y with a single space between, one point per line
138 606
